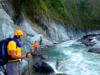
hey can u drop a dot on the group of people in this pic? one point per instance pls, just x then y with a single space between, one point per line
15 54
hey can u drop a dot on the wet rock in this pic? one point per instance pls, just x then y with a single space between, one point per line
1 73
60 74
40 56
23 64
94 50
43 67
89 40
96 47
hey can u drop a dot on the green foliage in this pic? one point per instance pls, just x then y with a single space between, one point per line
84 14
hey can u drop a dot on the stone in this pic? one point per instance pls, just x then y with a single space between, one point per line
42 67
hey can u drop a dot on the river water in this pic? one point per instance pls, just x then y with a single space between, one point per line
72 58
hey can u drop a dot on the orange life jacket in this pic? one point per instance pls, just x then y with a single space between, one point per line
36 45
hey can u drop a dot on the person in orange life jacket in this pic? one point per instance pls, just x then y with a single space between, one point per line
15 53
35 47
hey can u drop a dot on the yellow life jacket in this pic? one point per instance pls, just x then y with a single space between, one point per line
13 46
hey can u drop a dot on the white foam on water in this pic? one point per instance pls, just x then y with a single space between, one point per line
53 65
77 61
66 44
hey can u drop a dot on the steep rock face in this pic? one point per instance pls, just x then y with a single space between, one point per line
54 30
48 27
57 32
6 25
7 7
51 31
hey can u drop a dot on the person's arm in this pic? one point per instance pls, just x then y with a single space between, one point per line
14 56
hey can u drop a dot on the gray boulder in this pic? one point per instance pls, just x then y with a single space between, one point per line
60 74
42 67
95 48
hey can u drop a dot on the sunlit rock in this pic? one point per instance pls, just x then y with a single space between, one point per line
6 25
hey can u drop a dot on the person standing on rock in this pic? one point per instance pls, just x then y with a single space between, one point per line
15 53
36 47
40 41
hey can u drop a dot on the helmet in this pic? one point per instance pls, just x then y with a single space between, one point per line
18 33
36 41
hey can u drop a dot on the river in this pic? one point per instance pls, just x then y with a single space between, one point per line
72 58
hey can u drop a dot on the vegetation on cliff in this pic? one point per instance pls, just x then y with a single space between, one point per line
83 14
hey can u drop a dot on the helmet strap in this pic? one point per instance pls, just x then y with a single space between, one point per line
17 37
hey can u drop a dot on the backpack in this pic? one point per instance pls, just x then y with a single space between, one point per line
3 51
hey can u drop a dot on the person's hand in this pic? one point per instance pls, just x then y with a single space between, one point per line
28 55
23 56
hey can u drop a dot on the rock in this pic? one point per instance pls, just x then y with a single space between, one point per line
94 50
24 65
89 40
39 55
42 67
60 74
1 73
6 25
2 70
96 47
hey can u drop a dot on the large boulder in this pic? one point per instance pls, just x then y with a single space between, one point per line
60 74
95 48
90 39
42 67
